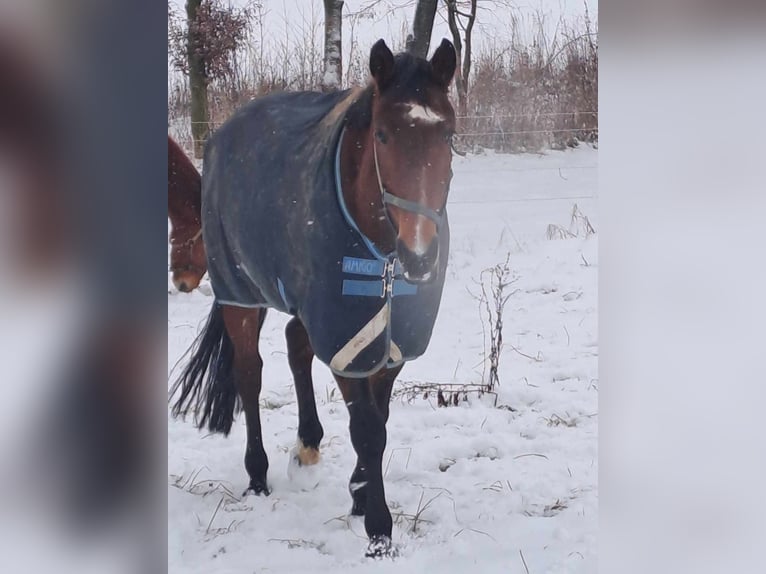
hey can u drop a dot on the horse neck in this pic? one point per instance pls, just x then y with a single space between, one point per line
361 190
184 192
184 211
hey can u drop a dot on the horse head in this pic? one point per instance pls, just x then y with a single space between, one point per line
187 259
188 262
412 124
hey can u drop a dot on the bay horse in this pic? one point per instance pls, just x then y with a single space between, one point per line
332 208
187 256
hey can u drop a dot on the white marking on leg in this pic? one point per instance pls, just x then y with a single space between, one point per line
424 114
307 455
354 486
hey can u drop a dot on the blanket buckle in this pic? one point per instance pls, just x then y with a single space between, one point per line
387 275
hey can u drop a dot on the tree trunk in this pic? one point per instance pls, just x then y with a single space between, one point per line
463 70
465 76
420 39
458 43
333 28
197 82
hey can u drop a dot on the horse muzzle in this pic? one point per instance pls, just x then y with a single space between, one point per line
419 268
187 280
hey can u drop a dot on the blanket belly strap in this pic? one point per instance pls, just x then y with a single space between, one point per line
388 285
360 288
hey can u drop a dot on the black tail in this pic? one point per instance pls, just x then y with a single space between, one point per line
207 383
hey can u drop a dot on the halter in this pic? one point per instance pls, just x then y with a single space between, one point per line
191 241
412 206
188 243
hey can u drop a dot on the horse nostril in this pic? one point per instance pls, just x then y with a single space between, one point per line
182 286
424 278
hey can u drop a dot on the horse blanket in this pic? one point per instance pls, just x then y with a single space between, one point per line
278 234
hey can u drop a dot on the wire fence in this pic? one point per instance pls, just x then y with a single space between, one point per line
529 115
517 132
526 115
500 133
517 200
470 117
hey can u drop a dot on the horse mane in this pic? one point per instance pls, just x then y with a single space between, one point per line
184 185
359 114
412 77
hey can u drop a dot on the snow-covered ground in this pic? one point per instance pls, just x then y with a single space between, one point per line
496 489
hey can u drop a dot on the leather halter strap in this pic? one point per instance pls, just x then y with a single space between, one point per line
191 241
412 206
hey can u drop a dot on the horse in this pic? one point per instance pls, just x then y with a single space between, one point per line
332 208
187 256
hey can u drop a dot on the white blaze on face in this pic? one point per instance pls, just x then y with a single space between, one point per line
419 242
423 114
421 246
418 114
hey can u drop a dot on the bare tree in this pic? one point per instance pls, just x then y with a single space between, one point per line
420 39
204 50
461 16
333 63
197 80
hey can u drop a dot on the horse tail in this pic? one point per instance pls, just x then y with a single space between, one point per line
206 385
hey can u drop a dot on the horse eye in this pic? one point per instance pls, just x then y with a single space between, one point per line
380 136
448 137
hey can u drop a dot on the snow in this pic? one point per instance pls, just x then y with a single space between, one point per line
502 486
330 78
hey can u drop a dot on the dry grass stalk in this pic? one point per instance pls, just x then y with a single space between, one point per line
494 283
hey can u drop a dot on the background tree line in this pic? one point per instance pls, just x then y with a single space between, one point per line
528 93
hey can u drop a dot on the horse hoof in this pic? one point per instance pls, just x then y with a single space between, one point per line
256 489
381 547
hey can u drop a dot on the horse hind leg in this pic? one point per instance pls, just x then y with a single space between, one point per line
300 356
244 328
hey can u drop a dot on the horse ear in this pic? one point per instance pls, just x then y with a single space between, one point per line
381 63
443 63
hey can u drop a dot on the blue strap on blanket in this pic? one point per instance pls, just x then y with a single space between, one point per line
401 287
362 288
375 268
375 288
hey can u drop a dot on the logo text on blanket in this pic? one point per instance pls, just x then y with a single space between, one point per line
387 270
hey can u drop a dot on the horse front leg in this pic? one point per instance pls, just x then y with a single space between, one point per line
244 328
368 436
381 384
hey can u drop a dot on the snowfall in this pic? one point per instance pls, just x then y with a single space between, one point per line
501 483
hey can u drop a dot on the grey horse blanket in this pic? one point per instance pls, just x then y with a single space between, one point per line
277 234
